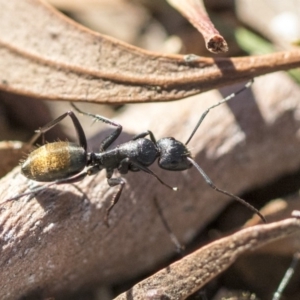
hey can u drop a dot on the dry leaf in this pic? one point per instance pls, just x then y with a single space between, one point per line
278 210
52 57
188 275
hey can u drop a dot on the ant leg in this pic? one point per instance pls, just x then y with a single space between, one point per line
123 168
127 161
144 134
91 171
212 185
76 123
246 86
113 182
112 137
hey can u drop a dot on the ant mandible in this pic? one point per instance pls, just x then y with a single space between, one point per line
64 162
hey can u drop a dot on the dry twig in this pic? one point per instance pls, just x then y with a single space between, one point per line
195 12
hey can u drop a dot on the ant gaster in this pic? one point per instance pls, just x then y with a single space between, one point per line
64 162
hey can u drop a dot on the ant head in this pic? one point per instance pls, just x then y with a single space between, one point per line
173 155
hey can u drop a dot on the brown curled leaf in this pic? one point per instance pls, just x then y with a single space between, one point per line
276 210
50 56
188 275
195 12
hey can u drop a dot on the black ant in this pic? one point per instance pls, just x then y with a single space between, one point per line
64 162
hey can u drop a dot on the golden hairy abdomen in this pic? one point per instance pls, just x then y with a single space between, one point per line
54 161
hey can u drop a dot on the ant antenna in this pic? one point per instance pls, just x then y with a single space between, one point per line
212 185
206 178
246 86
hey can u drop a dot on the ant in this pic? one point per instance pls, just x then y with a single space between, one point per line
64 162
